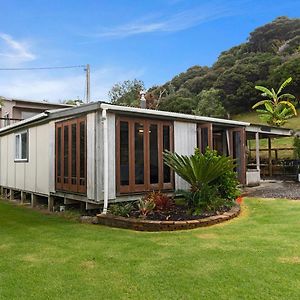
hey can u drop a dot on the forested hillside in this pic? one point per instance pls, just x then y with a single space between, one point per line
269 56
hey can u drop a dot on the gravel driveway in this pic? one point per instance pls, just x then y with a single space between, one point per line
275 189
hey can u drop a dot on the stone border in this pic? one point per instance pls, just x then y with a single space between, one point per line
148 225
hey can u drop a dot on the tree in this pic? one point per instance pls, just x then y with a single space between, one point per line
277 108
126 93
209 104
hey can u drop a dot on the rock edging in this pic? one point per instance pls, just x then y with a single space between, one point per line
149 225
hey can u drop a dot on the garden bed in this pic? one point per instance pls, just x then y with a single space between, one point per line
156 225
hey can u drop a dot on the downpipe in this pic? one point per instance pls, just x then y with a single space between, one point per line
105 157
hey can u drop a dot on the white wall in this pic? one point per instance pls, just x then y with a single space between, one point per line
111 118
90 155
185 142
32 175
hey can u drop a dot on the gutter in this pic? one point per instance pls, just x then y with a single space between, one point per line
24 122
171 115
105 156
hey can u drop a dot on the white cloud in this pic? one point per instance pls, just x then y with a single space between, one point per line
167 23
44 86
13 51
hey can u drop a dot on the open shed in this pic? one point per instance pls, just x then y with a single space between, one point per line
256 168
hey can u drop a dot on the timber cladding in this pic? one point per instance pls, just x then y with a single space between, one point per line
149 225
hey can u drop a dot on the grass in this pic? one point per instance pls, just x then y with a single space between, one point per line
256 256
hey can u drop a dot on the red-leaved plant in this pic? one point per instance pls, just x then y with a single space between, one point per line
162 201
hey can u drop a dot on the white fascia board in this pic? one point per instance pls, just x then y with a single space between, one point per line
168 114
24 122
270 131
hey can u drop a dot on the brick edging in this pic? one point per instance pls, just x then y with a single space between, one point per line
148 225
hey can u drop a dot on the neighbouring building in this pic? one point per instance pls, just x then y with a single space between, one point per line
100 153
15 110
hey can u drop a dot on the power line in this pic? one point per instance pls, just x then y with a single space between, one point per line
86 69
41 68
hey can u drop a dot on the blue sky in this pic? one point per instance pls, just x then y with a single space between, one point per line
149 40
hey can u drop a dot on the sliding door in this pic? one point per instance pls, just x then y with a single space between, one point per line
70 155
140 145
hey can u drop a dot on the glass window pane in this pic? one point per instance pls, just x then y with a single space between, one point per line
59 151
139 152
82 151
153 154
124 153
18 146
66 150
73 150
204 139
24 145
166 146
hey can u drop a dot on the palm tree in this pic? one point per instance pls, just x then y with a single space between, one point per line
278 107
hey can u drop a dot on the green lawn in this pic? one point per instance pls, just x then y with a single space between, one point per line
256 256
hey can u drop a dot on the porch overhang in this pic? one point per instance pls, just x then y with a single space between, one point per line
257 132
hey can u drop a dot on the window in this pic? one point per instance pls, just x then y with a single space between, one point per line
21 146
204 137
140 146
6 121
70 155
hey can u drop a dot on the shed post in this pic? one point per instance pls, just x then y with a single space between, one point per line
257 151
50 203
23 197
270 156
33 200
11 195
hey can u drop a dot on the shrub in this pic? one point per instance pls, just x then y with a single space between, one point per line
145 207
162 201
121 209
199 169
214 184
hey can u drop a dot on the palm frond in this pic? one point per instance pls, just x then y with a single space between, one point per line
262 102
284 84
287 96
265 90
197 169
290 105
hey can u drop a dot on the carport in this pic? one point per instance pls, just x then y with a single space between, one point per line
267 167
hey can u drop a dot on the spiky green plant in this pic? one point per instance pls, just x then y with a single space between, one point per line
198 170
278 108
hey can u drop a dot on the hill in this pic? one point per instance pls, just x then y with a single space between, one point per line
268 57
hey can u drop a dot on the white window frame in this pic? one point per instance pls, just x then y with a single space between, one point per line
18 147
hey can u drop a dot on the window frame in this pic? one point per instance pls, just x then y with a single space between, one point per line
18 152
71 183
132 187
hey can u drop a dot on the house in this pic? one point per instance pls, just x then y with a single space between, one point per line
100 153
15 110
